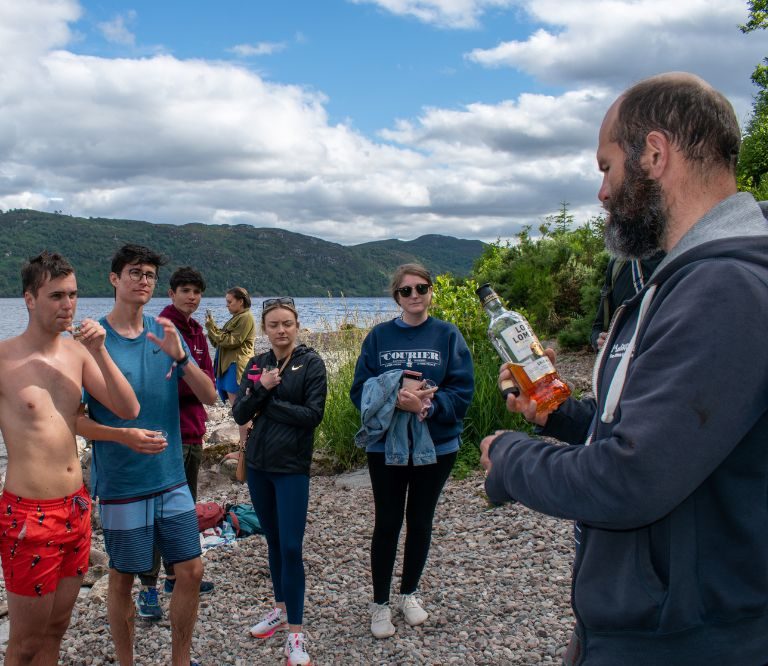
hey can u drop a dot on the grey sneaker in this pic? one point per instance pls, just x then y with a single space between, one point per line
381 621
411 608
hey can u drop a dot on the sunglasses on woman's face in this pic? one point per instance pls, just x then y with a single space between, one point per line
283 300
421 290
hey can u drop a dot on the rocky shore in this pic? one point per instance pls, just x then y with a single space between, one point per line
497 585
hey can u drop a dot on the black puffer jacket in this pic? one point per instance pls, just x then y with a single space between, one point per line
283 432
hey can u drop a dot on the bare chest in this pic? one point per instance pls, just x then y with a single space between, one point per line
36 388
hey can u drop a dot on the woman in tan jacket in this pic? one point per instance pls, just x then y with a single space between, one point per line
234 345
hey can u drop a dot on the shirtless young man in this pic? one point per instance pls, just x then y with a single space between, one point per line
45 523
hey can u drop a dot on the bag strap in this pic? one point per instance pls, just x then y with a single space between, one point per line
285 363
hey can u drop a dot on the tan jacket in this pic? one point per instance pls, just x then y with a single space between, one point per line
234 341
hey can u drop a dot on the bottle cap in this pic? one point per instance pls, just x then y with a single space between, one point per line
485 293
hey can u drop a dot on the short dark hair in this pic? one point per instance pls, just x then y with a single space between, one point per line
187 275
695 117
407 269
130 255
45 266
241 294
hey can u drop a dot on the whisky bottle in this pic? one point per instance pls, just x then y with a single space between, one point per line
520 349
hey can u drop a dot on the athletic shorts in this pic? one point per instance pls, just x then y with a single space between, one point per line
227 382
43 541
133 527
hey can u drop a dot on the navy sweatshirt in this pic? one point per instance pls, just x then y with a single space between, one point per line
435 348
671 494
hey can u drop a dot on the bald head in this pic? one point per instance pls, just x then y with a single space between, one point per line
696 119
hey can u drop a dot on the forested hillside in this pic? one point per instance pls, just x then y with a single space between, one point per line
264 261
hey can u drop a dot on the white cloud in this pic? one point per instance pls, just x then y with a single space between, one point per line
260 49
117 31
616 42
169 140
443 13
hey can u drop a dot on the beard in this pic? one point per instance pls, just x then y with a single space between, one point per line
637 217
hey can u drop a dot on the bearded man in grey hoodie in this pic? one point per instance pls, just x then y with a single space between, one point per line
667 475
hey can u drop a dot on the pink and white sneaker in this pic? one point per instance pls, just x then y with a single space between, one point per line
295 653
271 623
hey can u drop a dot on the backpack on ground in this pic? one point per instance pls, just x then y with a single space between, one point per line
209 514
243 519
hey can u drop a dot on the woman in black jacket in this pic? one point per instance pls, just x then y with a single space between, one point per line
283 391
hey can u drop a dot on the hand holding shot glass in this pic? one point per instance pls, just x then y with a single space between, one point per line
155 440
88 332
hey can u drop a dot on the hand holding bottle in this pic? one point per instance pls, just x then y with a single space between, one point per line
519 403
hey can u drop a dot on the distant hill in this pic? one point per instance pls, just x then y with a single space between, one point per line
264 261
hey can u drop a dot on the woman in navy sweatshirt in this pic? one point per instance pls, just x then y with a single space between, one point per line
413 341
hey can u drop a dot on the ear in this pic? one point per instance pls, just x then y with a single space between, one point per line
171 293
29 300
114 278
658 151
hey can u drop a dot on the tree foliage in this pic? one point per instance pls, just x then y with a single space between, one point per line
553 279
752 171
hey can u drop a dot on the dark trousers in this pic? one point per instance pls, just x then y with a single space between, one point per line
410 492
280 502
193 456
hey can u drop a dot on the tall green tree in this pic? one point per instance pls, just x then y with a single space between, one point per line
752 172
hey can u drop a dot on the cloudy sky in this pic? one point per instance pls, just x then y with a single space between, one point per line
351 120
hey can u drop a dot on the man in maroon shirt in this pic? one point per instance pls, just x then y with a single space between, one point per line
186 289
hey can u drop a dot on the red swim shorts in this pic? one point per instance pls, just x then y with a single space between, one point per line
43 541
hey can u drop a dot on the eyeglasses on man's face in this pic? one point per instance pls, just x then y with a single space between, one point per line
421 290
272 302
136 274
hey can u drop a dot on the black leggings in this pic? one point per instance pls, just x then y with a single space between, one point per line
391 484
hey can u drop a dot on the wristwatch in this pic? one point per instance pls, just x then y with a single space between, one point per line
182 361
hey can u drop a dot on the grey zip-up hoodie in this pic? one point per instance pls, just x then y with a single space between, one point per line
671 494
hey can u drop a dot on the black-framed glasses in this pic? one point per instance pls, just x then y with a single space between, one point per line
135 274
282 300
421 290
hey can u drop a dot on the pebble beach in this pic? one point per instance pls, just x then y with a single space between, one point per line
497 584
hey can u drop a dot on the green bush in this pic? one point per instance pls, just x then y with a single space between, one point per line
554 279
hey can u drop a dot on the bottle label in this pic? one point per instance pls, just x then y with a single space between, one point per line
520 339
538 368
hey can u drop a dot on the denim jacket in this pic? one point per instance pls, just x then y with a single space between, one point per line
380 416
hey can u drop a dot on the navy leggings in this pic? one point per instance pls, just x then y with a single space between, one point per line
391 485
280 502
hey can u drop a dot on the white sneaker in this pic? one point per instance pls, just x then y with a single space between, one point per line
410 605
273 621
295 653
381 621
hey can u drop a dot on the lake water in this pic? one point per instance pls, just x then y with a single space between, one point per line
315 314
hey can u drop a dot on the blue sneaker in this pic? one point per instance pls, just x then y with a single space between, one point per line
206 586
148 604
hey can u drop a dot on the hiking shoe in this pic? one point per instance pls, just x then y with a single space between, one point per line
148 604
295 653
206 586
273 621
411 608
381 621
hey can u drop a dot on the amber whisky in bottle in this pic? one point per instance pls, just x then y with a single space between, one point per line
517 344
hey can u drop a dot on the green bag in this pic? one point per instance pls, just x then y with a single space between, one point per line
243 519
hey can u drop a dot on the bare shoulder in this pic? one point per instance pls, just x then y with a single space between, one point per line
14 350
